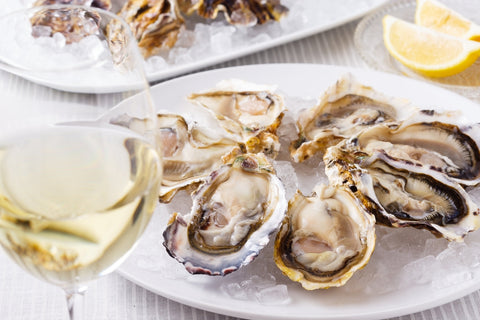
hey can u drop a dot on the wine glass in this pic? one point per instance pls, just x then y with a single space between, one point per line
80 167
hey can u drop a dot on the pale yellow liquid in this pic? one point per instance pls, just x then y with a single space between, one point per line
74 200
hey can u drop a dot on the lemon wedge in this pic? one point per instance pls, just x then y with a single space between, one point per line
427 51
437 16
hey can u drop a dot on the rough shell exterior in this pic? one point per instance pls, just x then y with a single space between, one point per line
343 110
233 215
237 12
325 238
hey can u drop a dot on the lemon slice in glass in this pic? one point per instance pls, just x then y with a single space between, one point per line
427 51
437 16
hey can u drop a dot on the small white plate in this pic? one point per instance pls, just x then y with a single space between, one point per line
308 17
150 266
369 43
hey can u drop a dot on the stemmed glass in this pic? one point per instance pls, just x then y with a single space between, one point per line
79 164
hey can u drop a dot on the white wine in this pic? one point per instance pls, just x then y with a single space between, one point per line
74 200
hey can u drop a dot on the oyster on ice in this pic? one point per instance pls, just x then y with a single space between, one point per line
237 12
434 145
74 23
154 23
401 194
324 238
342 111
251 113
233 214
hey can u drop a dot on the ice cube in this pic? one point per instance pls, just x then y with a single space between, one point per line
286 173
234 290
59 40
45 44
260 38
451 279
155 63
263 282
221 40
91 47
360 280
383 283
420 271
434 246
276 295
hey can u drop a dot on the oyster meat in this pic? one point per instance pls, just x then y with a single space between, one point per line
401 194
251 113
190 154
343 110
237 12
233 214
154 23
324 238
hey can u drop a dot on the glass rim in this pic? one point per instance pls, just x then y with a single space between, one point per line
33 72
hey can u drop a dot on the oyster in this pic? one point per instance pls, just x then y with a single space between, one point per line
324 238
233 214
74 23
237 12
251 113
189 154
344 110
434 145
401 194
154 23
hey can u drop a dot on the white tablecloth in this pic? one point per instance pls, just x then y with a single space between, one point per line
23 297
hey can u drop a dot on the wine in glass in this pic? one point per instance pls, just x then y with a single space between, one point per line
79 163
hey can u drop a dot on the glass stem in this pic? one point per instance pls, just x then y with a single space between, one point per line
75 303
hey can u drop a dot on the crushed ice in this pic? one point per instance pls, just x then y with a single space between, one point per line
35 47
201 41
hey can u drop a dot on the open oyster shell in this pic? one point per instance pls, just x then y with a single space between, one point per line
233 214
401 194
154 23
237 12
342 111
251 113
324 238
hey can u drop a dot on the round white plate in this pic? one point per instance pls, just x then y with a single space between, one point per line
150 267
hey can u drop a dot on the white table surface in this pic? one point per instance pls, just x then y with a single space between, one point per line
113 297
